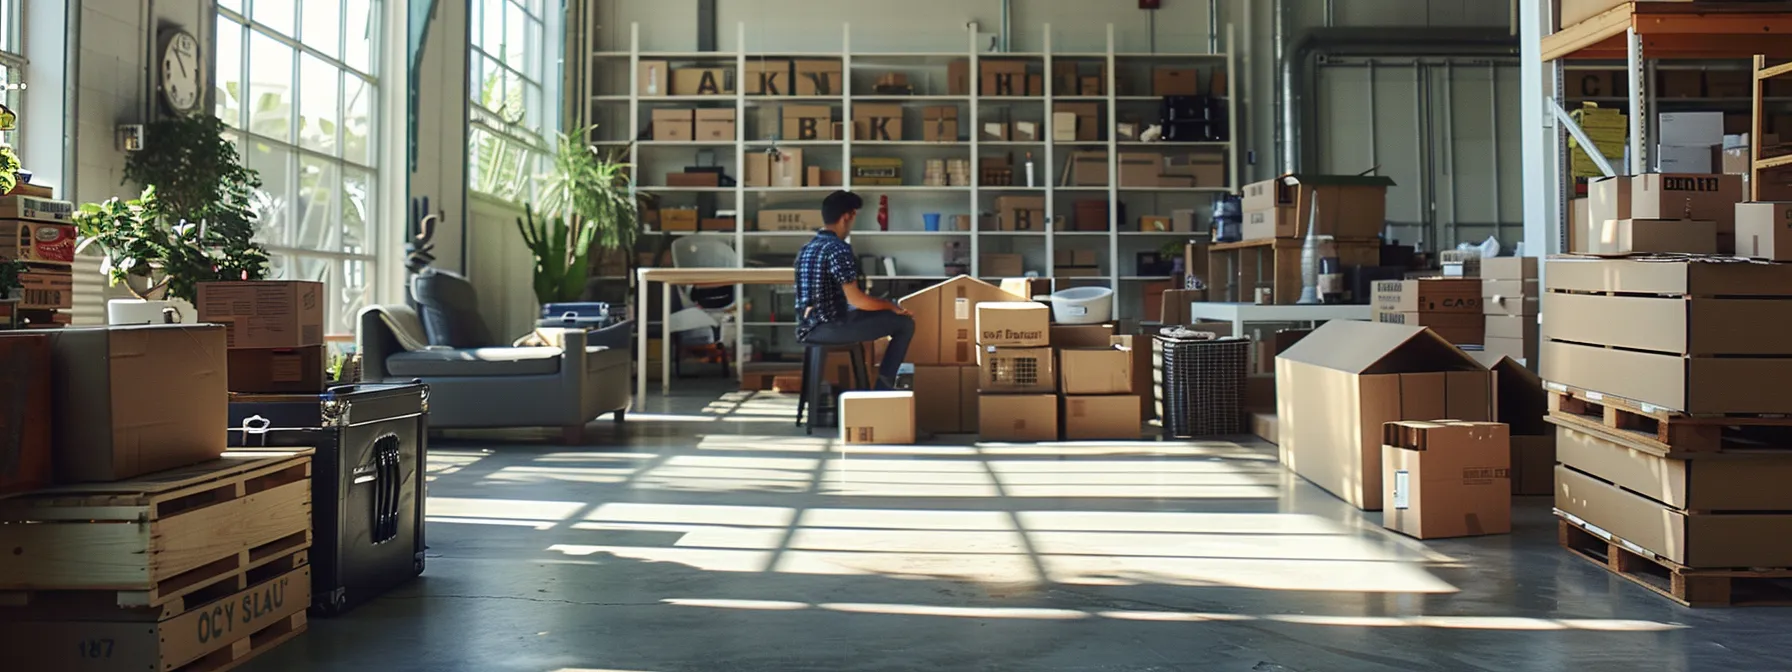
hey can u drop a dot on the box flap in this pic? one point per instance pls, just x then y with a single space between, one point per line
1372 347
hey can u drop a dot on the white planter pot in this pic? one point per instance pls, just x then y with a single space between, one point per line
141 311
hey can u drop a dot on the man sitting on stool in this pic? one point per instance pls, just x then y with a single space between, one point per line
833 310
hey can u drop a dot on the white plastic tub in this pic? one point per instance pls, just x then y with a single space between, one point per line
1083 305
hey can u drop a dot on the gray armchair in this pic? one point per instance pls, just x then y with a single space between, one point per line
477 382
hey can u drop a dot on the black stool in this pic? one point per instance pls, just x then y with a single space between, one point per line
815 364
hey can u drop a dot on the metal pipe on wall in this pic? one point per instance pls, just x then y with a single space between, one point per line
1213 27
1008 24
1284 135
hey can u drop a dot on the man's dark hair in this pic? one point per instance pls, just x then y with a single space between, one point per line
838 204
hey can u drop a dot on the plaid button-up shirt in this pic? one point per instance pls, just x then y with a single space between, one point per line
825 264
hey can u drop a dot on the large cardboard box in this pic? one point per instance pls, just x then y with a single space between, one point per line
806 122
1698 540
817 77
1017 417
295 370
1088 119
946 398
877 121
1018 370
1618 237
1701 196
1020 213
946 320
104 428
1446 478
1110 417
768 77
1350 206
703 81
1175 81
1429 295
1014 323
998 77
25 411
715 124
1764 230
1336 387
1458 328
1095 370
1082 335
877 417
265 313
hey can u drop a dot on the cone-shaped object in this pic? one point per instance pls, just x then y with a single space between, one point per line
1309 257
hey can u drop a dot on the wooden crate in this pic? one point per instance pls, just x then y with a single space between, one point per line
216 634
157 537
1236 270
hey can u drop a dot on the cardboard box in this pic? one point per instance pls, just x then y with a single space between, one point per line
806 122
1173 306
1094 418
1263 426
1534 465
25 412
1065 256
1697 327
787 168
1701 540
1014 323
768 77
45 289
1508 268
1095 370
1066 336
298 370
265 313
1669 382
886 418
946 398
703 82
1457 328
1446 478
958 77
789 220
1000 265
939 123
817 77
1174 81
1763 231
1137 169
32 208
1608 199
999 77
677 124
1685 158
1017 417
678 219
1018 370
1030 288
877 121
1619 237
715 124
693 179
1207 169
1088 119
103 428
1691 129
1064 127
946 320
1518 400
1336 387
653 79
1521 327
1513 289
1681 196
756 169
1429 295
1742 482
1089 168
1020 213
1350 206
1025 131
36 242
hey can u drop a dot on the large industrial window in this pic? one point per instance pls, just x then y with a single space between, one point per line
512 116
300 89
12 52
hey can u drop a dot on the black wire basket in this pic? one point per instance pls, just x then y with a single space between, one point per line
1202 392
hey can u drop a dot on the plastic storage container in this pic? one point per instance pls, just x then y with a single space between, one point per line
1083 305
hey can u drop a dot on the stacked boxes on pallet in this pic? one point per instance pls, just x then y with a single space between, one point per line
1096 382
1016 391
1657 371
1509 301
39 232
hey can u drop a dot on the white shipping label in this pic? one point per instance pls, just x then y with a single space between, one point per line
961 309
1402 485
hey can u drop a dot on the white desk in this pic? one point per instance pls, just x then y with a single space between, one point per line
1240 314
709 277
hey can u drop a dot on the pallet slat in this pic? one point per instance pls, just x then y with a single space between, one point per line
1689 587
1662 432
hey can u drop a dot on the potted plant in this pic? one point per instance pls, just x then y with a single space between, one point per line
192 223
592 190
9 169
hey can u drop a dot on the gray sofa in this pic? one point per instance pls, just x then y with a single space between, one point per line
476 382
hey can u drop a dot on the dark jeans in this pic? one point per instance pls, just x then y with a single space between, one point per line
859 326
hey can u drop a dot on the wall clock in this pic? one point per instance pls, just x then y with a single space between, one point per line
183 72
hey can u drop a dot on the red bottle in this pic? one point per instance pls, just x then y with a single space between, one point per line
883 212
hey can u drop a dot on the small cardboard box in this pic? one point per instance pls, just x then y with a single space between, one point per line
675 124
277 370
1619 237
1064 127
946 320
999 77
1073 257
1508 268
939 123
1350 206
678 219
886 418
1089 168
653 79
1446 478
1138 169
1017 417
1336 387
715 124
36 242
817 77
682 179
1429 295
1174 81
703 82
1027 131
756 169
1154 223
1095 370
806 122
1106 417
1703 196
1088 119
1763 231
1018 370
1000 265
1014 323
45 289
789 220
716 224
1020 213
946 398
958 77
768 77
25 399
265 313
104 430
877 122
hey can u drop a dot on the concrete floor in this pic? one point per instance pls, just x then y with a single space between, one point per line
707 534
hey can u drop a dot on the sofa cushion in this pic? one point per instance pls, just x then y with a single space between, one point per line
474 362
450 310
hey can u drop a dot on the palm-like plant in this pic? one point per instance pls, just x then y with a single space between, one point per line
591 190
562 255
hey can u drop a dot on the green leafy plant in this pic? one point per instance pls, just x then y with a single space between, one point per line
10 269
192 224
562 255
593 189
9 169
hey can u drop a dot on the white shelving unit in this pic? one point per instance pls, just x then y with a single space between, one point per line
906 238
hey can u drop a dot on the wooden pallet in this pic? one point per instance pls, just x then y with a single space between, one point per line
157 537
1663 432
1690 587
277 557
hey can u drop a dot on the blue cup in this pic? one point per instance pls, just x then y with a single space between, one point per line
931 221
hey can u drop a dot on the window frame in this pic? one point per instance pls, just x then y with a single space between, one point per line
532 134
12 51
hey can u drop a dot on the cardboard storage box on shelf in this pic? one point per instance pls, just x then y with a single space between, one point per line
265 313
1206 168
702 81
1105 370
939 123
1017 370
25 411
277 370
767 77
1020 213
1030 288
45 289
877 417
1000 265
806 122
1088 118
1446 478
1106 417
1138 169
1350 206
789 220
998 77
715 124
1014 323
946 398
1758 231
1083 336
653 79
1017 417
36 242
1669 334
1065 256
817 77
1338 385
1682 196
1429 295
787 168
946 320
103 428
1457 328
700 179
1174 81
678 219
1696 540
877 121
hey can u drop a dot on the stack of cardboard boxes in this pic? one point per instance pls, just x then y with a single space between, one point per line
1690 213
944 352
1351 207
1450 307
1510 301
274 331
1016 397
37 230
1097 385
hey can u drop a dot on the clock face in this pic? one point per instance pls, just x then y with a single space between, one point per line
182 74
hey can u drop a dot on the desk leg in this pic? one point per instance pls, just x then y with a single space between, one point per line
665 339
641 344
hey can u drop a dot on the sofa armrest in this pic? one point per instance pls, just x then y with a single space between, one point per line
374 341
